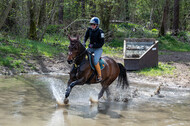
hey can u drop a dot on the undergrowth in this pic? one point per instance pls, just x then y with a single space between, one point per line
160 70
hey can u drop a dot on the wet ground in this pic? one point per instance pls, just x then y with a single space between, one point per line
31 100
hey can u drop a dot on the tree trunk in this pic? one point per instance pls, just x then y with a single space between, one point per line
49 19
61 6
83 8
42 16
105 15
176 18
32 32
164 19
5 13
77 4
92 5
127 9
94 8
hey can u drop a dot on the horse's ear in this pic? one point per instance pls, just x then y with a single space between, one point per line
78 37
69 37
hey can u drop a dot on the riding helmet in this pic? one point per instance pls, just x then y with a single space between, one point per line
95 20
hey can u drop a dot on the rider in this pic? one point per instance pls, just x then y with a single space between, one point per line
96 42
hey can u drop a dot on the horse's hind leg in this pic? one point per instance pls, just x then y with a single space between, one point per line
108 94
101 93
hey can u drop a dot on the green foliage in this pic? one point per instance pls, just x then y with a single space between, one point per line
6 61
160 70
154 30
53 29
168 42
15 51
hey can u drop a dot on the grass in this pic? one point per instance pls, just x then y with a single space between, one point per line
15 51
160 70
168 42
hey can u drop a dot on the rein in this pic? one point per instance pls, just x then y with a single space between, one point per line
80 55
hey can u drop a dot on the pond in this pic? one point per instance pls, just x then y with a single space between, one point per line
31 100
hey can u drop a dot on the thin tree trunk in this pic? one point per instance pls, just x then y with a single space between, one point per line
77 4
32 32
164 19
5 13
83 8
127 9
42 15
176 18
92 5
61 6
94 8
49 19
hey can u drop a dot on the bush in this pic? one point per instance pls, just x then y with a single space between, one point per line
53 28
154 30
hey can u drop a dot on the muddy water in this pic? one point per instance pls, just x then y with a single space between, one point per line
31 101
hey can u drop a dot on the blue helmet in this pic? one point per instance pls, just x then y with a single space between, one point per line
95 20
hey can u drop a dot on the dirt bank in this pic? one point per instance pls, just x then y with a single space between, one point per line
58 64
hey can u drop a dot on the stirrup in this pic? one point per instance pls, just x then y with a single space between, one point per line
99 79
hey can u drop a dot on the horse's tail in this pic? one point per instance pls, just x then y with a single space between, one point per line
122 79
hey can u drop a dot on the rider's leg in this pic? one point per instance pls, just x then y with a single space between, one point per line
98 53
97 66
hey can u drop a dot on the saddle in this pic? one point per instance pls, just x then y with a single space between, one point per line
91 59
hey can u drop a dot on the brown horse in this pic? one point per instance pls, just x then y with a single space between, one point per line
82 73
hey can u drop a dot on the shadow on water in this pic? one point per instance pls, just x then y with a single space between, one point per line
62 115
105 108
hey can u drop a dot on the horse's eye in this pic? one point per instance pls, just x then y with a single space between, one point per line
69 53
70 47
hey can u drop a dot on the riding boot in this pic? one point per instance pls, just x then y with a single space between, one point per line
99 78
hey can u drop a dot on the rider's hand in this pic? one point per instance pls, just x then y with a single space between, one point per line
90 45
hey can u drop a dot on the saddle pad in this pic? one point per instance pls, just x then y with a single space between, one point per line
101 62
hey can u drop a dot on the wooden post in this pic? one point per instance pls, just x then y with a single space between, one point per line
124 49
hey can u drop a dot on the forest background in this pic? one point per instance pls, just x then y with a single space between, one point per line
35 30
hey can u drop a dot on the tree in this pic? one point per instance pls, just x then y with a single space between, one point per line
127 9
42 15
5 13
61 5
105 16
32 32
83 8
92 6
164 19
176 18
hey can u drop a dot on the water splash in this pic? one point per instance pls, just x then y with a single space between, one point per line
57 87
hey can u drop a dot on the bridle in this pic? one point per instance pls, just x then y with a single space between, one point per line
80 55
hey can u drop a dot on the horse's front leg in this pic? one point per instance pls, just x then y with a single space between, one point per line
70 86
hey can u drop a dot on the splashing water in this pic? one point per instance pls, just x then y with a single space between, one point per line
57 87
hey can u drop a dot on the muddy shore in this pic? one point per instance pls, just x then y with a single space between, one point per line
59 65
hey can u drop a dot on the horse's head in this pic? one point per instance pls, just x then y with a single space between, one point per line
74 49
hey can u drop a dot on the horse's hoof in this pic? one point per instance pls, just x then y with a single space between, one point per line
66 101
93 100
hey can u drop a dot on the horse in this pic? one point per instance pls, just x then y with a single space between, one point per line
81 73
